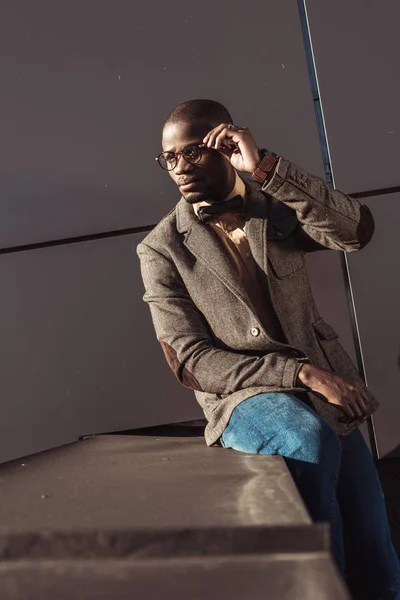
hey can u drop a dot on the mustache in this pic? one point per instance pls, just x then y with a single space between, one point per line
187 179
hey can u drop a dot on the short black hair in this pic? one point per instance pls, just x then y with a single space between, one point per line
208 112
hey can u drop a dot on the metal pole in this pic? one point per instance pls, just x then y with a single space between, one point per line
323 139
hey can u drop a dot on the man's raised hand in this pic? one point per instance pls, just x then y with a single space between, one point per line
237 144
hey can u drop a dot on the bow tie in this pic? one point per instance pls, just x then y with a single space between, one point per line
235 204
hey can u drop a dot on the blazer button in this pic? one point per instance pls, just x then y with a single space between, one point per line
254 331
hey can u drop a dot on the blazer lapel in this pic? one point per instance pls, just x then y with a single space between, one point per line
205 246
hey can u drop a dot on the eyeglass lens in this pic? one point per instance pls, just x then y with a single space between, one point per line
169 160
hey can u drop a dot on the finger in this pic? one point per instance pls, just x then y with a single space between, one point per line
219 137
211 135
347 409
206 139
363 402
346 420
226 151
224 131
355 406
225 138
349 414
351 398
360 398
361 405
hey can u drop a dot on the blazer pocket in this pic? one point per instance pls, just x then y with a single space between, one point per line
334 352
324 330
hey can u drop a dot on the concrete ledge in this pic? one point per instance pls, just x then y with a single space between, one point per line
114 482
272 577
116 516
164 543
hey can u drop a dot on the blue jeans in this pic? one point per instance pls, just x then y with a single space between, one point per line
337 480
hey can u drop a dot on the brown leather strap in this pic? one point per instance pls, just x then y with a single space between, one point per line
266 165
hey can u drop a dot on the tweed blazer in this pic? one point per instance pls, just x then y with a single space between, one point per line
202 316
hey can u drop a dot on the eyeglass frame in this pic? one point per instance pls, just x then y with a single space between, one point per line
179 154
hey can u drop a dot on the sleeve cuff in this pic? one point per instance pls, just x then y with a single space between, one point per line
278 178
290 371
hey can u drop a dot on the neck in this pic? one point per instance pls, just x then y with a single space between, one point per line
238 188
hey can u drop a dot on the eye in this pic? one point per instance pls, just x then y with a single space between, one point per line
169 156
192 152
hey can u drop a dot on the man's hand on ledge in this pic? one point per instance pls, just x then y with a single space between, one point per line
348 396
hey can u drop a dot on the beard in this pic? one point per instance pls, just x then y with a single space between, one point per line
194 197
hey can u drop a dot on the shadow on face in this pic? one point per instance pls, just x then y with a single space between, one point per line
212 178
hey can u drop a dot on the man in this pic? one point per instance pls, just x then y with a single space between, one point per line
226 283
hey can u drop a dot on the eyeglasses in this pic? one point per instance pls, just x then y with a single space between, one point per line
192 154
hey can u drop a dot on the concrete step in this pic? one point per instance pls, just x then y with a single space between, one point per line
113 516
273 577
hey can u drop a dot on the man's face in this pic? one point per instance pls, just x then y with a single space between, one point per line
212 178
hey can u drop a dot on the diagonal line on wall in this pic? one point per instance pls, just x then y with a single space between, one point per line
323 139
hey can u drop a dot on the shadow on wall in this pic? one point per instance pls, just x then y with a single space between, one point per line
395 453
389 474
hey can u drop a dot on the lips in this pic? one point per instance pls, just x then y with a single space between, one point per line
188 184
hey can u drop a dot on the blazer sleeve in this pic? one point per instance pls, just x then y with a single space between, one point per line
188 343
327 218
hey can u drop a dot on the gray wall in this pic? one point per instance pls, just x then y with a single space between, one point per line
85 88
77 351
376 284
88 83
356 48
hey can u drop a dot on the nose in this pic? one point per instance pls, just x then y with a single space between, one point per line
183 166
